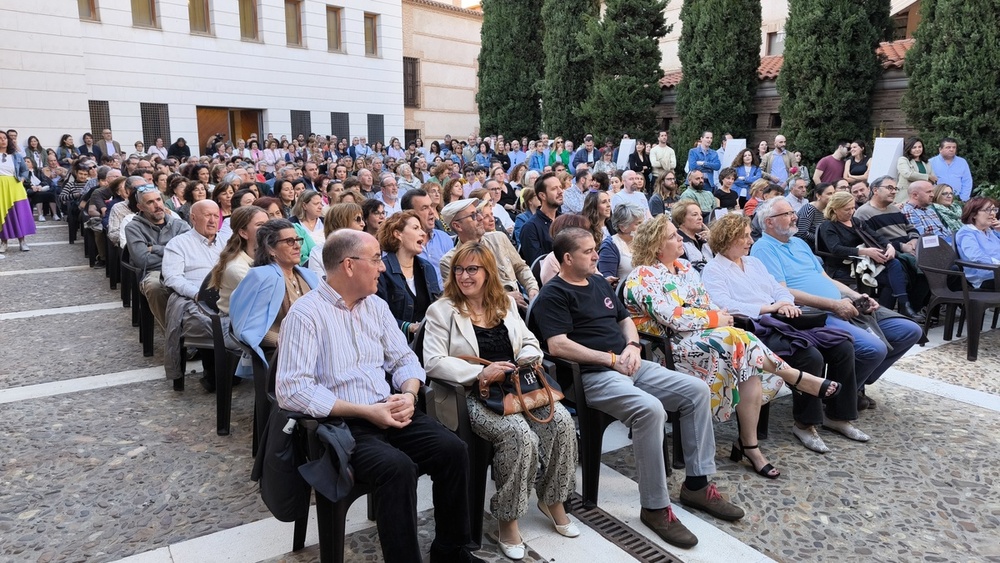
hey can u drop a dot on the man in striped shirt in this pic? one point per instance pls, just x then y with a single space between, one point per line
337 344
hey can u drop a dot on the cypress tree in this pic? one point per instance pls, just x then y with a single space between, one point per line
720 57
624 46
508 77
567 69
829 73
954 68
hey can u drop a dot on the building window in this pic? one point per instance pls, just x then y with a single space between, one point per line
155 123
340 125
248 20
376 128
899 22
199 16
774 122
144 13
100 117
410 136
371 35
88 10
333 29
301 123
293 22
775 43
411 82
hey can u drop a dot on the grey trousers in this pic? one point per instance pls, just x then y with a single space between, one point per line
641 402
156 294
184 318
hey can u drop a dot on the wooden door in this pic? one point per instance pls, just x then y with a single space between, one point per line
245 123
210 122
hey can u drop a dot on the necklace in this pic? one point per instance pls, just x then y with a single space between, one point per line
295 284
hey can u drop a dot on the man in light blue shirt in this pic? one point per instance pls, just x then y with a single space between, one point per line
438 242
705 159
952 170
516 155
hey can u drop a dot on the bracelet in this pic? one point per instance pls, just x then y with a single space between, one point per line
614 359
416 398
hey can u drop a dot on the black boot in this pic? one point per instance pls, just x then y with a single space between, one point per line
907 310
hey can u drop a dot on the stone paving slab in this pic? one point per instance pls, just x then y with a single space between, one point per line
101 475
60 347
948 362
926 487
363 545
54 289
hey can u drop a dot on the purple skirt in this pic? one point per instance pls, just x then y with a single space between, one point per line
16 219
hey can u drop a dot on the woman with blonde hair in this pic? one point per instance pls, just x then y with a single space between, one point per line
664 294
338 216
476 318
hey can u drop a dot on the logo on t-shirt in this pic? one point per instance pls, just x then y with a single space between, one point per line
609 303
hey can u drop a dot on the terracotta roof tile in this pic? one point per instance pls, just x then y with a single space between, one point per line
449 7
894 52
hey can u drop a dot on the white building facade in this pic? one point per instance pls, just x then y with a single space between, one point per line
193 68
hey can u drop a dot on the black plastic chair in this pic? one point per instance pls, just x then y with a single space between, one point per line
480 450
938 263
113 267
536 269
142 314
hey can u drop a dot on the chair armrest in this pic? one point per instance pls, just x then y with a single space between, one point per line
979 266
942 271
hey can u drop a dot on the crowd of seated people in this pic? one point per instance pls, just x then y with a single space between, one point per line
313 242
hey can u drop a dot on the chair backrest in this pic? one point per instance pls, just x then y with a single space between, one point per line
209 295
536 269
417 344
940 257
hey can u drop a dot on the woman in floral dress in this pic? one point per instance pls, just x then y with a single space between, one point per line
665 292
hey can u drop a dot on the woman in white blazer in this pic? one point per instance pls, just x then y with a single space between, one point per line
476 317
912 166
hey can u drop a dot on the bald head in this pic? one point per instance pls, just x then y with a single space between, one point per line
921 193
205 218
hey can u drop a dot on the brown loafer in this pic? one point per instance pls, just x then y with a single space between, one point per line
711 501
668 527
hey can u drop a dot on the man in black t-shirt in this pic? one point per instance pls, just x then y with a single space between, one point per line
580 319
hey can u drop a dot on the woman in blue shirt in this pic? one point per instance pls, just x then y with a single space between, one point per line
747 172
979 240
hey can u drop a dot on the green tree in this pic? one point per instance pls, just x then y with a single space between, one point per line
567 68
508 97
720 57
953 68
828 77
625 48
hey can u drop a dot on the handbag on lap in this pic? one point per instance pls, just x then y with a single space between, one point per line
521 391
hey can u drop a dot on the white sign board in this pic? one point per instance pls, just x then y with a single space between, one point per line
625 150
884 157
733 148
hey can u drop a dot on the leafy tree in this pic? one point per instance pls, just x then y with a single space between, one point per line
567 69
953 68
624 47
508 96
828 77
720 57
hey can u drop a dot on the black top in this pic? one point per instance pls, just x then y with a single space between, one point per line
727 200
640 163
588 315
859 168
422 299
842 241
494 343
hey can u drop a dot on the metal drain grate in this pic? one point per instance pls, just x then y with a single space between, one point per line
618 533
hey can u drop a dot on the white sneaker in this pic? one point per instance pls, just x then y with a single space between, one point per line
41 218
3 247
25 247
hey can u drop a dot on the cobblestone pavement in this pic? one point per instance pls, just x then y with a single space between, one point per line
113 471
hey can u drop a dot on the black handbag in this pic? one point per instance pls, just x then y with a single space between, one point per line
809 319
522 390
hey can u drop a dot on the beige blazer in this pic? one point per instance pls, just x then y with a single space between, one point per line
448 334
907 171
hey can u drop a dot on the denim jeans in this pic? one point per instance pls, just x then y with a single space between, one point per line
871 357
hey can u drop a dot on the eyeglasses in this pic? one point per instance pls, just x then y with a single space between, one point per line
785 214
989 210
359 219
373 261
147 188
890 188
474 215
292 241
470 270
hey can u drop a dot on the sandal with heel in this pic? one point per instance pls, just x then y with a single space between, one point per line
823 387
739 452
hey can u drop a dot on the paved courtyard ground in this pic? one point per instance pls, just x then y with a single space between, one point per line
101 460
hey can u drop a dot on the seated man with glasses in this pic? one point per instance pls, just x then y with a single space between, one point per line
336 346
791 262
187 260
463 218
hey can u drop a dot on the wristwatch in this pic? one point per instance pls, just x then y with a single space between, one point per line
415 397
634 343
